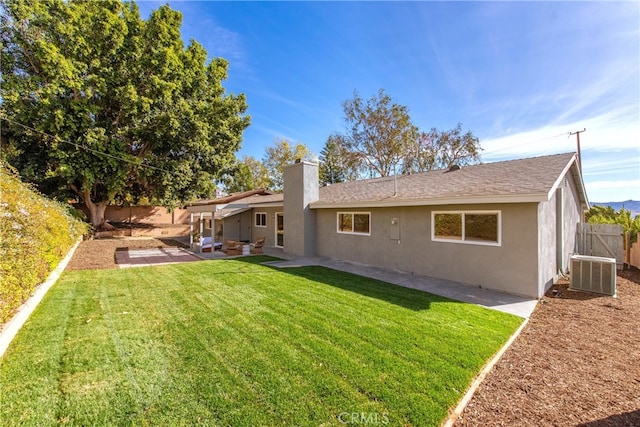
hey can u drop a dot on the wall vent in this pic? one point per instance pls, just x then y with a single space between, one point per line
593 274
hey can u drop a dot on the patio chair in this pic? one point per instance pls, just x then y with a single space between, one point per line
256 248
233 247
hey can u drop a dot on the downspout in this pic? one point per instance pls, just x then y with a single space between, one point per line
201 229
395 181
191 231
560 230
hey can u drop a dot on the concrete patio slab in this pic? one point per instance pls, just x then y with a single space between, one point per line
152 256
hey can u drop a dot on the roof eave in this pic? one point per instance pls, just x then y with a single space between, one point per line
573 167
267 205
515 198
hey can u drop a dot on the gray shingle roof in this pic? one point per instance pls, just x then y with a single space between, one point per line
522 180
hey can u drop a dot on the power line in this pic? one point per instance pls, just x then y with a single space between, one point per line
525 143
82 147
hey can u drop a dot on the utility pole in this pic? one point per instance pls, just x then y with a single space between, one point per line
577 134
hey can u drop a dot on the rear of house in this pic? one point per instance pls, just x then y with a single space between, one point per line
508 226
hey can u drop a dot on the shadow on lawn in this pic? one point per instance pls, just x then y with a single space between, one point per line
405 297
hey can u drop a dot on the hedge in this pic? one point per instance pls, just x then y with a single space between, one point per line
35 234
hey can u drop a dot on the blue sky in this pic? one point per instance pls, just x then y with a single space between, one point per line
519 75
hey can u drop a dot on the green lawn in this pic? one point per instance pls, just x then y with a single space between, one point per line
235 343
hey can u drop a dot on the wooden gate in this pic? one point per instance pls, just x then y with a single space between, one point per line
603 240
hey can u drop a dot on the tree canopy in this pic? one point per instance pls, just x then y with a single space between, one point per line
99 103
249 174
441 149
379 135
283 153
336 163
378 131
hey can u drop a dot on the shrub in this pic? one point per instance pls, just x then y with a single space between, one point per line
35 234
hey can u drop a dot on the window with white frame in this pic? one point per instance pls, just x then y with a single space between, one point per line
354 222
261 219
475 227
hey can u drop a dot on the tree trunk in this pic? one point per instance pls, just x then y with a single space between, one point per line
96 212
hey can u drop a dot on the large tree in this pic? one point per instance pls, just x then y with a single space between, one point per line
441 149
283 153
378 132
336 163
249 174
105 105
380 137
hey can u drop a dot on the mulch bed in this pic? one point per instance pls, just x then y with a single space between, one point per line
99 254
577 362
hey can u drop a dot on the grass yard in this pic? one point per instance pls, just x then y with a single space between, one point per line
236 343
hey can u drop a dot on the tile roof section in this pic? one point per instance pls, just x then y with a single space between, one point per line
513 180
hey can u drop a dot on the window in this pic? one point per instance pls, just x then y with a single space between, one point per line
354 222
476 227
261 219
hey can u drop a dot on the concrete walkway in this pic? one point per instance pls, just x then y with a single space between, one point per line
519 306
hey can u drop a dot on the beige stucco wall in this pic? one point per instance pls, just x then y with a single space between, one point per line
511 267
301 188
270 230
547 249
564 200
238 227
573 214
245 223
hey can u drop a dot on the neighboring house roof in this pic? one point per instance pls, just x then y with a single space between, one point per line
522 180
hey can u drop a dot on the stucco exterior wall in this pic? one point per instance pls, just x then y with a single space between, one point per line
511 267
230 228
300 188
245 222
547 259
557 235
573 214
558 219
270 230
238 227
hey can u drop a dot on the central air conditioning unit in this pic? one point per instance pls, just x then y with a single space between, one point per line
593 274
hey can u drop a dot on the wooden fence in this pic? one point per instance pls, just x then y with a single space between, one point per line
634 253
603 240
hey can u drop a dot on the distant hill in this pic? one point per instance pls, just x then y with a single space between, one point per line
630 205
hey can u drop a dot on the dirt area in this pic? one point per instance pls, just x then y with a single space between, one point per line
577 362
101 253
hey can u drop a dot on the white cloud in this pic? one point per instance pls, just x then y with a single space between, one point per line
612 131
613 191
597 167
